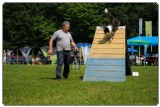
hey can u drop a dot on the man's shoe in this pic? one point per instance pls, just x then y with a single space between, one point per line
65 77
58 77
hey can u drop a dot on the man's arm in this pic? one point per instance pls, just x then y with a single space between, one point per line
74 45
50 46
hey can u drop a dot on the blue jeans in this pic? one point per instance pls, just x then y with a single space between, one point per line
63 57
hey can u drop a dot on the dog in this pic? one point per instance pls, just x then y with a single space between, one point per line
112 26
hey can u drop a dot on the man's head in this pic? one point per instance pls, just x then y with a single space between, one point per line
65 26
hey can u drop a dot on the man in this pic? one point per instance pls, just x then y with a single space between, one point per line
63 41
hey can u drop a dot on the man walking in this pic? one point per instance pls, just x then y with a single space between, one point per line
63 41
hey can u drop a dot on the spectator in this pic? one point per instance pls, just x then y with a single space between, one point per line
4 57
8 56
37 60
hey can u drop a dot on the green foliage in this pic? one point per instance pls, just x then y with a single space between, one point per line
26 24
129 14
34 85
32 24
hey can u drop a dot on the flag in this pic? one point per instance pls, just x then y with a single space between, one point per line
148 28
140 26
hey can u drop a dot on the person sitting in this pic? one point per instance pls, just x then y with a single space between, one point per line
37 60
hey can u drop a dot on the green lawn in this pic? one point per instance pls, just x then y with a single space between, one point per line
34 85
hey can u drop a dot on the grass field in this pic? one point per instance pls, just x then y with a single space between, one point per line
35 85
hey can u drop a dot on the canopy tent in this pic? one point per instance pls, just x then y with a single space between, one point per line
26 54
43 51
153 40
17 52
36 51
25 51
85 47
20 55
143 41
132 50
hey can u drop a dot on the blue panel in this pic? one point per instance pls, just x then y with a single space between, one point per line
108 74
106 69
106 62
104 79
103 68
106 58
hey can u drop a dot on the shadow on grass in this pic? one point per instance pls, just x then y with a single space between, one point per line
48 78
81 77
53 79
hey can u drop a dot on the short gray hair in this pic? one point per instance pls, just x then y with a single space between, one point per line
65 23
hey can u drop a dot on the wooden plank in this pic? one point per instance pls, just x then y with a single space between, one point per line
100 41
92 55
120 31
106 46
110 50
99 31
125 44
101 36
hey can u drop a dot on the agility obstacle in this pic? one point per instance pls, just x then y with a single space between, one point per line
76 64
107 60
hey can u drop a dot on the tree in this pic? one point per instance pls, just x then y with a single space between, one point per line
25 24
32 24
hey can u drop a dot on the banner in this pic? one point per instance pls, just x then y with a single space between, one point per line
148 28
140 26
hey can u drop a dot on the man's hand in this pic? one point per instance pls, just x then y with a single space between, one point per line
75 48
50 51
